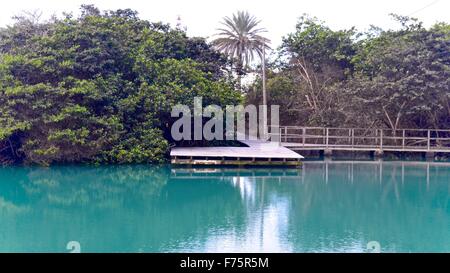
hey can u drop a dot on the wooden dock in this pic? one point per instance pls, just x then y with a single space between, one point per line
257 153
326 140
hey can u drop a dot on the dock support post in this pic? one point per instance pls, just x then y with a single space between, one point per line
429 156
378 154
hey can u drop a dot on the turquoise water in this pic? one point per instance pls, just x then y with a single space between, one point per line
324 207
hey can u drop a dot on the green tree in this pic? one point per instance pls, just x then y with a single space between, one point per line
100 87
383 78
403 76
324 50
240 38
314 59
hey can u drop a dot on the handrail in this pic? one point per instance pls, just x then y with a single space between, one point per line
372 137
359 128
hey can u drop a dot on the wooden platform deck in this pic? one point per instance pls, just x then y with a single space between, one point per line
258 153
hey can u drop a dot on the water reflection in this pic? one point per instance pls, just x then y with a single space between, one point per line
326 206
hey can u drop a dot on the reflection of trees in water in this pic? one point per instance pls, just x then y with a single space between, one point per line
370 202
267 214
109 186
9 207
343 206
145 208
193 211
125 208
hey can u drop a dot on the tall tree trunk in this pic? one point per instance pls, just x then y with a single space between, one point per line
239 72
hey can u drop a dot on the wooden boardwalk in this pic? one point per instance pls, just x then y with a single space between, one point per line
281 151
359 139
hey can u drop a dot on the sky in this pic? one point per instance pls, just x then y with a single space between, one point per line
202 17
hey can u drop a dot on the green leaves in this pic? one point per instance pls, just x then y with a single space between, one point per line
74 137
70 111
99 88
382 78
405 74
320 46
240 38
9 126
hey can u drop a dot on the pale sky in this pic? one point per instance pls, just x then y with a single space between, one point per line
201 17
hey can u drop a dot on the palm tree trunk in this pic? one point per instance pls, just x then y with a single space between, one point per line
239 71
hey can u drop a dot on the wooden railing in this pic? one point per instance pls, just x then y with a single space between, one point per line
362 138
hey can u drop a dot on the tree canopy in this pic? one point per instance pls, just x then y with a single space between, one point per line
100 87
239 38
382 78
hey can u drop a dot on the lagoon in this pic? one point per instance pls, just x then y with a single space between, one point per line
323 207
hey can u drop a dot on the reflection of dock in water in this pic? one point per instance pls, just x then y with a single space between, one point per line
378 167
394 169
207 173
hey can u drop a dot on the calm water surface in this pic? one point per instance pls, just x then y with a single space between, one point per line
324 207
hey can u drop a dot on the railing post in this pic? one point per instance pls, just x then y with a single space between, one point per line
303 135
376 137
349 136
403 139
429 140
280 135
323 134
353 137
328 134
381 139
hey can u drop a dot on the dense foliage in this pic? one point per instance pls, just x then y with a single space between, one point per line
382 78
99 88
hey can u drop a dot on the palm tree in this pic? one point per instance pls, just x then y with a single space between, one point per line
240 38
